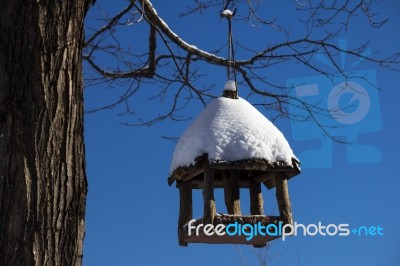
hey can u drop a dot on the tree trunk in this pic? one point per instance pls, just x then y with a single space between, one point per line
42 167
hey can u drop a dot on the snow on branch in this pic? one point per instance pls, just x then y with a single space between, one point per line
155 20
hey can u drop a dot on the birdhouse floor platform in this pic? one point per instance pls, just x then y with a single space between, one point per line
245 230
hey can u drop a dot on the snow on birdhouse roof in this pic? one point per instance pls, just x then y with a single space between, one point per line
231 130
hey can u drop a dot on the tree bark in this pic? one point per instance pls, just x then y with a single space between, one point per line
43 183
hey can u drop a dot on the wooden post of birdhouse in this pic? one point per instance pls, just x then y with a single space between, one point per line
256 199
282 196
185 208
232 191
208 195
256 203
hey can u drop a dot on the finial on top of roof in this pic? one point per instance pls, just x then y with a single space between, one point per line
230 90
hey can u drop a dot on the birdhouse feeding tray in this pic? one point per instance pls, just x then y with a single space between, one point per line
231 145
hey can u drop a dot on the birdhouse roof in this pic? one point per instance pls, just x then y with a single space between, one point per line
231 130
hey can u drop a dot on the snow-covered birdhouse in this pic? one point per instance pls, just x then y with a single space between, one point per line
231 145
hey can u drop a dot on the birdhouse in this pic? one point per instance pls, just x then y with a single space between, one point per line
232 146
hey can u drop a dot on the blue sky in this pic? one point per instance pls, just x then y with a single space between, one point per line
132 213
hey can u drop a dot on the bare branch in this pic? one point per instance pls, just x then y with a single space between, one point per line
110 24
156 21
173 66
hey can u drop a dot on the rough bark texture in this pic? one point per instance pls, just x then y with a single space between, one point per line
256 199
42 169
282 196
232 192
208 196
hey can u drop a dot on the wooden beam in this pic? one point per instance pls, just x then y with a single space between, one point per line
194 172
267 178
218 183
208 195
232 191
282 196
185 208
256 199
263 177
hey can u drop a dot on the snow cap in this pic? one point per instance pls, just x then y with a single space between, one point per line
227 13
230 85
231 130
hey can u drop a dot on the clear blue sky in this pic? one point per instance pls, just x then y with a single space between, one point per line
132 213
